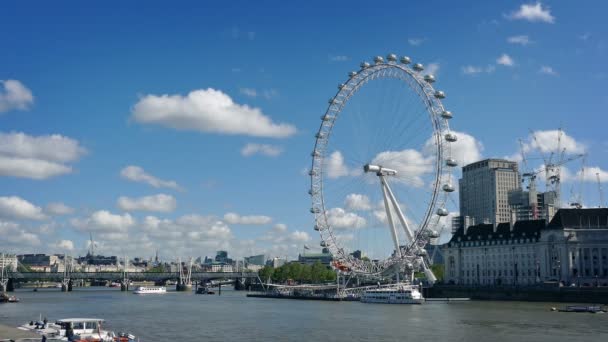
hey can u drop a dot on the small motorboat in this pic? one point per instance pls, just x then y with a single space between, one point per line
583 308
5 298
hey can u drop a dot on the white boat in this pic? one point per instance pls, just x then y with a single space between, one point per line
397 294
76 329
150 289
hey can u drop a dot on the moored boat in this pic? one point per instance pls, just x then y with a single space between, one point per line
397 294
150 290
76 329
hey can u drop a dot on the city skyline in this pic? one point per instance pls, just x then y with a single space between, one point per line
91 140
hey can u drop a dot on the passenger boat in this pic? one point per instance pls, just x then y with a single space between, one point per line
76 330
4 298
204 290
583 308
150 290
398 294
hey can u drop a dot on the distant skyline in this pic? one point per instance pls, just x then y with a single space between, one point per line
188 128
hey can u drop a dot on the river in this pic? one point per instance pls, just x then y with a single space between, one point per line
178 316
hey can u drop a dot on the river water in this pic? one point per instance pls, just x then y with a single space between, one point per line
178 316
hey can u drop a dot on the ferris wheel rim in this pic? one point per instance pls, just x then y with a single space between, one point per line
431 98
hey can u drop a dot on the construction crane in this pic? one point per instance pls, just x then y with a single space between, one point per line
599 188
576 200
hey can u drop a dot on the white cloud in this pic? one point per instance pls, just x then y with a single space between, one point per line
335 167
62 245
357 202
410 165
432 69
298 237
160 202
14 236
234 218
105 222
505 60
339 218
250 92
591 174
14 207
58 208
521 40
416 41
137 174
339 58
262 149
466 149
280 228
37 157
209 111
533 13
547 142
14 95
547 70
475 70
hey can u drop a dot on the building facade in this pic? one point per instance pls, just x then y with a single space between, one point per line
571 249
484 189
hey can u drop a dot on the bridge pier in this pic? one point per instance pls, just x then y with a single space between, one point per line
67 286
124 287
183 287
10 285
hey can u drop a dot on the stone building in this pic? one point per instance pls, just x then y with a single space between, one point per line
571 249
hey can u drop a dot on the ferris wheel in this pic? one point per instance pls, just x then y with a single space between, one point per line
381 169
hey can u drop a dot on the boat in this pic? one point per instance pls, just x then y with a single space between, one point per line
76 329
583 308
204 290
396 294
150 290
5 298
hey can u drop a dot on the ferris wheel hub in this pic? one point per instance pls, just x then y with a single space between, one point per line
379 170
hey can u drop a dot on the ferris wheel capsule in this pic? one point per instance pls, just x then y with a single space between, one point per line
315 210
365 65
451 137
326 117
429 78
315 153
378 60
446 114
439 94
405 60
433 234
352 74
448 187
391 57
451 162
341 86
323 244
320 135
442 212
422 253
418 67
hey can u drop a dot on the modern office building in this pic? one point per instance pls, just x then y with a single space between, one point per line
572 248
258 260
324 258
484 190
532 205
8 262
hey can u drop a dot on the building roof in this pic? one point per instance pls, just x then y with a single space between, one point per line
484 232
580 218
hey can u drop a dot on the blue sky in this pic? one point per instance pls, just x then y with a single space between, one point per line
85 73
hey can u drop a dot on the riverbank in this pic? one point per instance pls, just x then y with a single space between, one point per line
594 295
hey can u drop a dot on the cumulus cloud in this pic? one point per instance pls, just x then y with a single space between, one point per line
160 203
137 174
335 167
234 218
357 202
194 227
432 69
521 40
338 58
339 218
410 165
466 149
13 236
547 70
250 92
208 111
37 157
505 60
591 174
298 237
547 142
14 95
533 13
14 207
262 149
58 208
105 222
280 228
62 245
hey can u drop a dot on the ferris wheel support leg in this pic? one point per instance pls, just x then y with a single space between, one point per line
389 217
400 215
